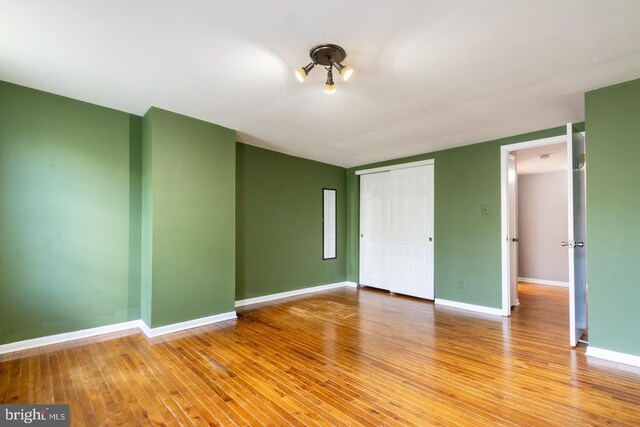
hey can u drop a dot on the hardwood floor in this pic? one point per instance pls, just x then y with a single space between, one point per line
341 357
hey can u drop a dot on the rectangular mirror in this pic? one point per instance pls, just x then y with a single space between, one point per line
329 229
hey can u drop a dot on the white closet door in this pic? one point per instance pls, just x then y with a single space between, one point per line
411 254
396 231
374 229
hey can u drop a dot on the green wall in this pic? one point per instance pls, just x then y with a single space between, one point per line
613 206
189 169
69 247
467 243
279 223
107 217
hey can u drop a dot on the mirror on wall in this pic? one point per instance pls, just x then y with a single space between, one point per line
329 229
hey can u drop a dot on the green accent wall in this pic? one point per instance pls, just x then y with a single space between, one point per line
189 208
69 247
467 243
613 206
279 223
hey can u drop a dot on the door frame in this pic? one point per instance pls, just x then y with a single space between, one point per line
511 262
505 150
387 169
396 166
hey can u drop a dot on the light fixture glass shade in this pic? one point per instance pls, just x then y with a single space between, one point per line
301 75
329 88
346 73
344 70
302 72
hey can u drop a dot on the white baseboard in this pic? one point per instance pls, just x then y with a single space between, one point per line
162 330
176 327
67 336
351 284
273 297
469 307
613 356
101 330
543 282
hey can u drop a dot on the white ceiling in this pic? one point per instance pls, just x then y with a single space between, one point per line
528 161
429 74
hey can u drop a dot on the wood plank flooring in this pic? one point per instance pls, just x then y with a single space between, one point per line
341 357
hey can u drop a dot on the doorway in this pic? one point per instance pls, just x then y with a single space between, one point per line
396 228
573 262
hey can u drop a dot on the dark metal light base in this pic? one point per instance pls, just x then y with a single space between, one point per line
323 54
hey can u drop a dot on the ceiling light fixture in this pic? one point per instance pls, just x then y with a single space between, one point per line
329 55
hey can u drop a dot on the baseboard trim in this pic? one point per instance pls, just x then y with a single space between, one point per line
469 307
613 356
543 282
281 295
101 330
67 336
189 324
162 330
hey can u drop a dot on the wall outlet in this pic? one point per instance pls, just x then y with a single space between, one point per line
485 210
461 284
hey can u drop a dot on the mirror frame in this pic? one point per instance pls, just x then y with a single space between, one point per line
335 216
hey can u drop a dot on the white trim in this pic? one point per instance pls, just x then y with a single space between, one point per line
189 324
281 295
613 356
559 139
398 166
469 307
504 208
162 330
543 282
67 336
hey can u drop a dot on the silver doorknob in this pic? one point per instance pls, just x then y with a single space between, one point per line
571 244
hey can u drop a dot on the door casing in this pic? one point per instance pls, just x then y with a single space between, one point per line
505 151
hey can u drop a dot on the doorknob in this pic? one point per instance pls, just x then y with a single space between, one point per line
430 239
515 239
572 244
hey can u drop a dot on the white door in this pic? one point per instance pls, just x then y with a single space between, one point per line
374 229
577 235
513 229
412 204
396 231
